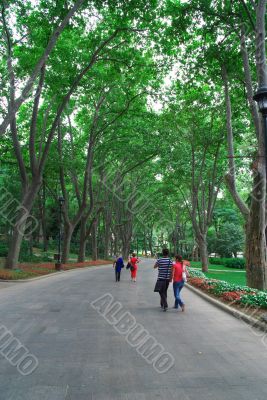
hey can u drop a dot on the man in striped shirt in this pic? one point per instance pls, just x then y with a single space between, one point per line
164 266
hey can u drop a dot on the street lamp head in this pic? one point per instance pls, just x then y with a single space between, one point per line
61 200
261 98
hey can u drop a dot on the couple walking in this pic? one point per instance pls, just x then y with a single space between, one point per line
168 272
132 265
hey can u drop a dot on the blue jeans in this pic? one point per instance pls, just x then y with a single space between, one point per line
177 287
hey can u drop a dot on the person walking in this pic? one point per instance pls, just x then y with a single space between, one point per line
164 265
118 265
134 266
179 273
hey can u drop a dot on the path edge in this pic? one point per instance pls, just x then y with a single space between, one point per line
37 278
255 323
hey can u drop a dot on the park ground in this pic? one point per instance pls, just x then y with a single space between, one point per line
81 356
27 270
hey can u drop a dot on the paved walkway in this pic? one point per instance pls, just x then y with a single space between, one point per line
82 357
4 285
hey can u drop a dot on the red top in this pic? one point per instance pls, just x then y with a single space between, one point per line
134 261
177 271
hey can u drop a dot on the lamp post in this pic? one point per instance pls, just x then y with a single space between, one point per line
261 98
58 263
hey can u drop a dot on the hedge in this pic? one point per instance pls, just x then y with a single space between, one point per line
242 295
238 263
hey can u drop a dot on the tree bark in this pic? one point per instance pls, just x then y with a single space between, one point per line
126 247
202 244
150 242
256 240
21 225
94 240
260 43
83 241
107 232
68 232
43 217
248 81
204 193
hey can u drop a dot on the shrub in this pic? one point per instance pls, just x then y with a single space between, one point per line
256 299
217 261
3 249
220 287
244 295
194 273
14 275
33 258
238 263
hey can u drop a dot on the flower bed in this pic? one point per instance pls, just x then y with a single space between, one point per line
228 292
30 270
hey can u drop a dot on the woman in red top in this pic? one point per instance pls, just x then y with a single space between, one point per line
134 260
178 281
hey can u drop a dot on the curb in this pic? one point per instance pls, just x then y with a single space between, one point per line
255 323
37 278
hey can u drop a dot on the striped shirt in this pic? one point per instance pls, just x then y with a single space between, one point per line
165 268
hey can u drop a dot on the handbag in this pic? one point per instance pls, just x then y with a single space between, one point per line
184 274
160 286
161 283
128 266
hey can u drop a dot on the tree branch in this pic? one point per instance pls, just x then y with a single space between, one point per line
67 97
29 84
249 15
32 150
230 177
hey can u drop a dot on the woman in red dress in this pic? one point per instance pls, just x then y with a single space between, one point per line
134 261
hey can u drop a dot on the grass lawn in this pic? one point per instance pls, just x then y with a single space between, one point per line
196 264
230 275
238 278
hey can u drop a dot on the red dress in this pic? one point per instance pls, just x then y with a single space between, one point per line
134 264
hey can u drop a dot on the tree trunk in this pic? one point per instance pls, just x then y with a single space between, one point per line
256 242
14 247
204 258
115 248
150 242
145 243
255 216
126 247
43 219
107 237
21 225
68 231
255 238
107 245
94 241
83 240
82 250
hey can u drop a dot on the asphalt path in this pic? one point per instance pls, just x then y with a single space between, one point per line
81 356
